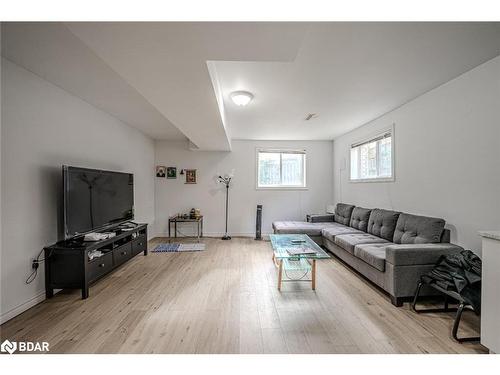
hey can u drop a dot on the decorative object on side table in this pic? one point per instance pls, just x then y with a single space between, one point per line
195 213
226 180
190 176
161 171
171 172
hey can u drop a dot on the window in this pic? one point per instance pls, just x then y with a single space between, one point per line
281 169
372 159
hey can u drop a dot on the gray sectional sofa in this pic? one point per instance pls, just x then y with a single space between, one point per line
392 249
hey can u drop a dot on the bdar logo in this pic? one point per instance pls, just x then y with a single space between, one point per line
8 346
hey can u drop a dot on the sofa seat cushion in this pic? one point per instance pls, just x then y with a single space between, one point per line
373 254
359 218
343 213
413 229
349 241
300 227
330 232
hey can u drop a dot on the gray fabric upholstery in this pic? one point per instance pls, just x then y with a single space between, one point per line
382 223
418 229
401 281
371 273
373 254
417 243
300 227
359 218
446 235
343 213
349 241
428 253
398 281
320 218
317 239
339 229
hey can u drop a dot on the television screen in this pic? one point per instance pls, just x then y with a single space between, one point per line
95 198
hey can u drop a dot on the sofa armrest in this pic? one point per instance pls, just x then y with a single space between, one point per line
426 253
319 218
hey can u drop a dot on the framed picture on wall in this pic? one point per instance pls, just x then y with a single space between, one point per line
190 176
161 171
171 172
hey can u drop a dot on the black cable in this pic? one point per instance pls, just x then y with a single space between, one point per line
34 266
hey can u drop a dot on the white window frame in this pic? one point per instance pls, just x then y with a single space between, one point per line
281 150
369 139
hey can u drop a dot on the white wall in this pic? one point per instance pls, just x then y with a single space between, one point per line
1 209
447 154
173 196
44 127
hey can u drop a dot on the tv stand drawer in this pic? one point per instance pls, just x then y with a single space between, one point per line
139 244
122 254
100 266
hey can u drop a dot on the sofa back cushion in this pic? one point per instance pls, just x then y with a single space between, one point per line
343 213
359 218
418 229
382 223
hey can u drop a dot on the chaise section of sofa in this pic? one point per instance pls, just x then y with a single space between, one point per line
313 230
390 248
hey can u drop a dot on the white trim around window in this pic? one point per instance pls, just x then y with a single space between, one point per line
377 171
280 185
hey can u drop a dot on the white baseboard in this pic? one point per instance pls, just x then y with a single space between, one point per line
33 301
219 234
22 307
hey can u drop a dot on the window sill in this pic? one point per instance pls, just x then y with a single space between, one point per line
283 188
389 179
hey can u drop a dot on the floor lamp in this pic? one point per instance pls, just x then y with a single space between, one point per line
226 181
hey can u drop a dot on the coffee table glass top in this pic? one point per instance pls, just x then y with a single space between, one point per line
283 242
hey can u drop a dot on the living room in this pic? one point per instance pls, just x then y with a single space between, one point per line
250 187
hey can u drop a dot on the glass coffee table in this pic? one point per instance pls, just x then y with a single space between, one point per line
296 266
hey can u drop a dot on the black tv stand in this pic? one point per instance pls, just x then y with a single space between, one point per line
67 263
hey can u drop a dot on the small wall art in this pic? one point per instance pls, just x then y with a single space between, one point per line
161 171
190 176
172 172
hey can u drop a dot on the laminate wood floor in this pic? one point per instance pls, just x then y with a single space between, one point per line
225 300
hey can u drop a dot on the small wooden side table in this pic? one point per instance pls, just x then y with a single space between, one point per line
178 219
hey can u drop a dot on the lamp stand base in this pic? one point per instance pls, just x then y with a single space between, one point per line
226 237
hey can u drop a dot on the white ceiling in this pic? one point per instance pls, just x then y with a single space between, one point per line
167 63
173 80
52 52
349 74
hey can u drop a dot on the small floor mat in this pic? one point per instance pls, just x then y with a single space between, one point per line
178 247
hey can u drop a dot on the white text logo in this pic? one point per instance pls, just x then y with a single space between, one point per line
24 346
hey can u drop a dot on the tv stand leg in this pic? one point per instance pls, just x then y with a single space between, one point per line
85 292
49 292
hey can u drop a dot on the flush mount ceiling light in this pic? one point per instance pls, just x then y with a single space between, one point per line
241 98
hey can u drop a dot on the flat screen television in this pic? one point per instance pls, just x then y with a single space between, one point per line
95 199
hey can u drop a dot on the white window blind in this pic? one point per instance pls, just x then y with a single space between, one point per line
372 159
